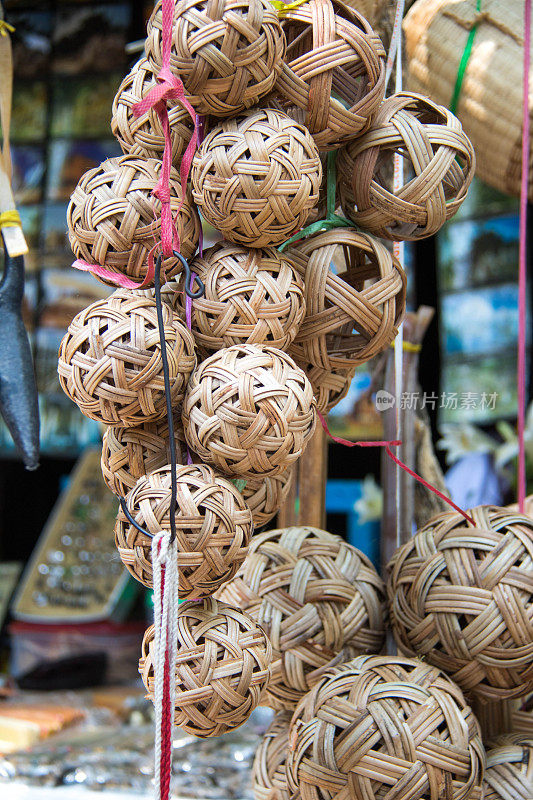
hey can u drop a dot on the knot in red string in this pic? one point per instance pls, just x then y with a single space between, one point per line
168 87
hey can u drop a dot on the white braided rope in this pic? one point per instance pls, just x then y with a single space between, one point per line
164 554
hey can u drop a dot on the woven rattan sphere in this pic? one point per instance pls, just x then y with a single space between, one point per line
227 53
462 598
213 527
265 496
352 316
256 178
319 599
249 411
509 773
334 70
110 359
384 727
143 135
222 667
269 775
252 296
131 453
439 168
114 220
329 387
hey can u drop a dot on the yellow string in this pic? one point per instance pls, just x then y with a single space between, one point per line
283 8
9 219
5 27
409 347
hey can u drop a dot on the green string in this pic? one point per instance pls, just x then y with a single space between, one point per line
331 220
463 64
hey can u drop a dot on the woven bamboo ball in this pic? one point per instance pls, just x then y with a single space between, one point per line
265 496
249 411
509 773
110 360
222 667
131 453
384 727
334 70
319 599
113 219
462 598
329 387
439 163
352 316
269 775
256 178
252 296
227 54
143 136
213 527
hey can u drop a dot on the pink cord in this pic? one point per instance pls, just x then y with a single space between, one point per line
387 446
522 268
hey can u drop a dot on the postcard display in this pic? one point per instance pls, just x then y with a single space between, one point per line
261 342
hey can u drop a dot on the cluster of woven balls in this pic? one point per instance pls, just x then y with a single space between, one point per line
221 670
213 527
114 219
461 597
110 359
249 411
384 727
319 599
252 296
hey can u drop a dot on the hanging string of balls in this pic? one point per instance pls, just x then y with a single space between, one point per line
275 335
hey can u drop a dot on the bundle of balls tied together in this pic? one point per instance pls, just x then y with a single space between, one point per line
275 338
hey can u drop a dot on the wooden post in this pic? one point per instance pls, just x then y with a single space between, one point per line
306 503
414 330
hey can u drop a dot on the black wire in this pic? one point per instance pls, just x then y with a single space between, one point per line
124 507
168 398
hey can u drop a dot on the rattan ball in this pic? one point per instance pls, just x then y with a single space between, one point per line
265 496
319 599
222 667
249 411
113 219
462 598
329 387
269 775
509 773
110 359
143 136
439 164
384 727
353 310
252 296
131 453
228 54
213 527
334 70
256 178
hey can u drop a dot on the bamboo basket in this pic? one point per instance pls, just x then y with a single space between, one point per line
490 102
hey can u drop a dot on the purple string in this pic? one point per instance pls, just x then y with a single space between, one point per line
188 300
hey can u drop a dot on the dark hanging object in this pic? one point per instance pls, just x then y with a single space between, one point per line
18 391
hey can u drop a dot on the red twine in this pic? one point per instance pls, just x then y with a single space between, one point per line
522 269
168 87
387 446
